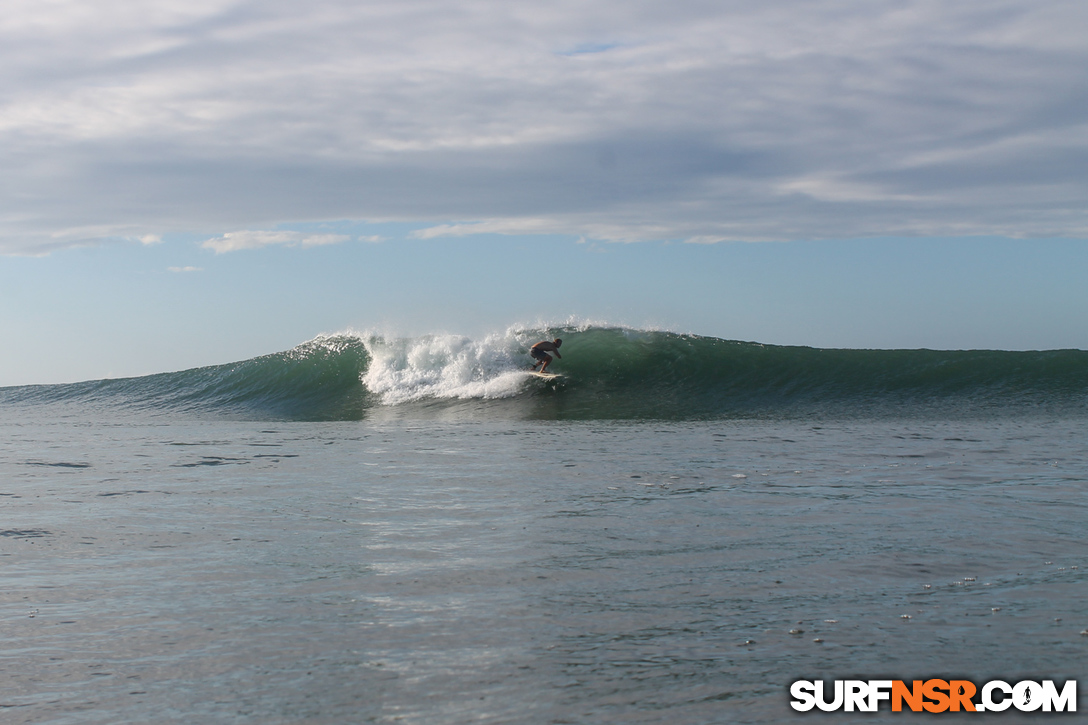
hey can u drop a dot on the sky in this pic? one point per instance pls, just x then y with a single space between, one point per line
192 183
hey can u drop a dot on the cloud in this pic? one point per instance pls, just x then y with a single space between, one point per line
633 120
492 226
184 269
235 241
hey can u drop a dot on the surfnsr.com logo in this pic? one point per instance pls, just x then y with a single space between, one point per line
934 696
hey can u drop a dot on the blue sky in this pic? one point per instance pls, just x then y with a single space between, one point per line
191 183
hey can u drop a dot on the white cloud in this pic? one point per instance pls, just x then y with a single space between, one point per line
632 120
492 226
184 269
235 241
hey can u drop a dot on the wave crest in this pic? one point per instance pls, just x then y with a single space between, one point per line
609 373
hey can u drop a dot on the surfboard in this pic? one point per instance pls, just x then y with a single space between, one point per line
544 376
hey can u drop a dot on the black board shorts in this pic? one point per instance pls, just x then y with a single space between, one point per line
538 354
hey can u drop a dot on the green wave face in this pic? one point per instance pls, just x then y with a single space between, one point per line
318 380
625 373
607 373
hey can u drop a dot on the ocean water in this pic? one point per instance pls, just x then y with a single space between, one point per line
364 530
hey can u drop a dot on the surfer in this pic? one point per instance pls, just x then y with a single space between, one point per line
540 352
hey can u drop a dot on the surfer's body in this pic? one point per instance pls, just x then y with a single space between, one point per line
540 352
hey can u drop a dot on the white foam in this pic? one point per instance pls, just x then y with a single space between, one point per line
445 366
406 369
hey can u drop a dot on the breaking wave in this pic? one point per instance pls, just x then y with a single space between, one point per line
607 373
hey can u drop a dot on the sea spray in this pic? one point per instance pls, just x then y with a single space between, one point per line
439 367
